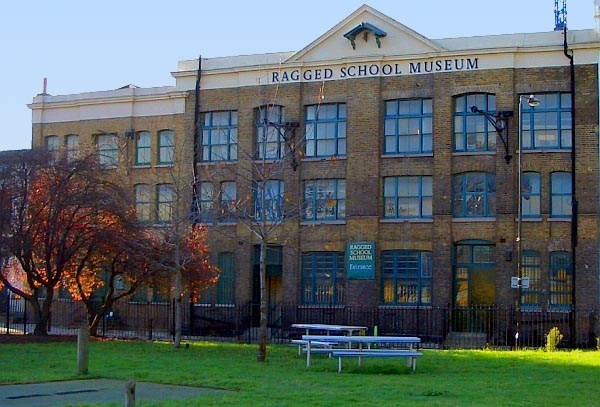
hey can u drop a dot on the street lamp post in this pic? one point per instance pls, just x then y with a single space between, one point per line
532 101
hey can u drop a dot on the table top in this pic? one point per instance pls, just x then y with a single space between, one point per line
328 327
362 339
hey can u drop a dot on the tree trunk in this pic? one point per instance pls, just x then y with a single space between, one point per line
178 311
41 313
262 330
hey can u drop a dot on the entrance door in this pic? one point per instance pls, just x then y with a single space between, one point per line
274 274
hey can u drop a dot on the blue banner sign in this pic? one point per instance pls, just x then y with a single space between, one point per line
360 260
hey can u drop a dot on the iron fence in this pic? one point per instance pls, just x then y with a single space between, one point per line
438 327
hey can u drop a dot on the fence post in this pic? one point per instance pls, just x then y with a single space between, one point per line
7 312
83 340
149 329
130 394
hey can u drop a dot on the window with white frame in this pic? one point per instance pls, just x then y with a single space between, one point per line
164 203
326 130
407 197
142 202
530 194
270 125
548 125
166 146
324 200
108 149
268 200
408 126
561 195
143 147
472 131
474 195
406 277
219 136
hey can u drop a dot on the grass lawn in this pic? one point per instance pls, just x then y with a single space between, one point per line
443 378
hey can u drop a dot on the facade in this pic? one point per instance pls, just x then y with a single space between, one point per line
393 170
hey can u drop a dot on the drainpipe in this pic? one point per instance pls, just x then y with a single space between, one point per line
575 203
196 138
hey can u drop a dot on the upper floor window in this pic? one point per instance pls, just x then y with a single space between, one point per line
323 278
142 202
472 131
530 194
406 277
166 146
531 268
228 198
219 136
143 148
72 144
205 202
165 196
326 130
268 200
474 195
52 146
407 197
549 125
408 126
270 123
561 195
561 279
325 200
108 149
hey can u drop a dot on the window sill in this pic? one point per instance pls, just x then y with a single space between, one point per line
406 155
545 150
529 219
325 158
459 153
474 219
403 220
142 166
164 165
322 222
550 219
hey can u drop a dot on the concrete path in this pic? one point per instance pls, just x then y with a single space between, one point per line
74 392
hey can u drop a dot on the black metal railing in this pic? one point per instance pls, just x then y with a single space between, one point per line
438 327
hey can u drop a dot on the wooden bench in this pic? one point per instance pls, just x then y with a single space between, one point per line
317 346
377 353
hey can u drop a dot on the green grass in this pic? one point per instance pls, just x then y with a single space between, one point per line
443 378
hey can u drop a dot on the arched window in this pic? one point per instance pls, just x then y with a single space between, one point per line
166 146
143 147
561 195
142 202
530 194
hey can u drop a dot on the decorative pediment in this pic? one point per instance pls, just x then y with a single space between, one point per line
365 29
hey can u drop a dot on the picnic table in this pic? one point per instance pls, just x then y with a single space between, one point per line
355 347
349 329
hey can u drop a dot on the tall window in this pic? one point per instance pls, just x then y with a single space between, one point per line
561 195
166 146
108 149
326 130
219 136
561 279
323 278
164 203
72 143
228 202
474 195
406 277
52 146
549 125
270 121
531 268
325 200
226 284
143 148
271 193
530 194
205 202
142 202
408 126
407 197
472 131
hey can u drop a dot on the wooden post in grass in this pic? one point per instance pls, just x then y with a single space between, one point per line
130 394
83 349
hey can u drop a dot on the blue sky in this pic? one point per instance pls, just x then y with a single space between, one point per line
83 46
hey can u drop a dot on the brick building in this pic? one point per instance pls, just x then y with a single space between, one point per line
386 165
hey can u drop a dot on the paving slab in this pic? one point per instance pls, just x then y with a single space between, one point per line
77 392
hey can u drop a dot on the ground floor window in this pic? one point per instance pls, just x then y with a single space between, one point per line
531 268
406 277
561 280
323 278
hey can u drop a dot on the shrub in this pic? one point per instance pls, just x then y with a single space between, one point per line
553 338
